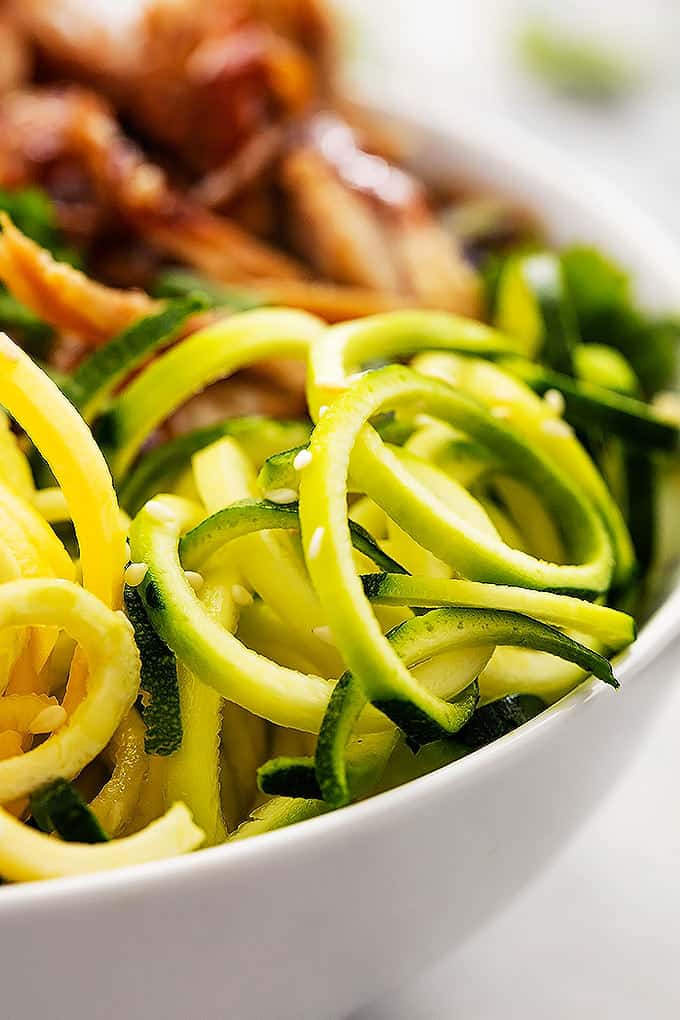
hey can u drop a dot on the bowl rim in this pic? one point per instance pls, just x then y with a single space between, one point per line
501 142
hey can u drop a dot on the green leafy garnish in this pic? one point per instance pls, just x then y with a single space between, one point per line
602 297
58 807
576 66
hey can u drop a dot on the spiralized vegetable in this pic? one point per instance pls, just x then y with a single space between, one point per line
359 599
38 599
434 510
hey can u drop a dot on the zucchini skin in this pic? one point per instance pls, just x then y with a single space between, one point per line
497 718
95 379
285 696
58 807
326 538
161 716
282 695
278 813
250 515
289 777
415 640
188 368
641 502
614 628
582 529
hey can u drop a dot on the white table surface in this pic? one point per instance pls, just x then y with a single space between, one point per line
598 934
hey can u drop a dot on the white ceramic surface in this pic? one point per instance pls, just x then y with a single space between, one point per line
313 921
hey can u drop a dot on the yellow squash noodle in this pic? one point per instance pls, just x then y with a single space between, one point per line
107 641
26 854
66 443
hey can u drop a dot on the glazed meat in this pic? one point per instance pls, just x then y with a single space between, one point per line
213 136
363 221
48 130
200 79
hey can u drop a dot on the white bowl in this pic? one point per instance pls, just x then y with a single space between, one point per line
313 921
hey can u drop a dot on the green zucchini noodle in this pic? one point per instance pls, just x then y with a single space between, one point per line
318 609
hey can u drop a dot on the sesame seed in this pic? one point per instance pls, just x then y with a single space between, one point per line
195 579
556 427
281 495
154 508
554 400
241 595
49 719
499 411
322 410
667 405
324 634
135 574
315 543
302 459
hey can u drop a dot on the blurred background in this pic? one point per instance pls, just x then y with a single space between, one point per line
601 80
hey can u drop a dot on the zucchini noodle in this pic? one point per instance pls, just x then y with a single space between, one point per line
539 424
206 356
361 598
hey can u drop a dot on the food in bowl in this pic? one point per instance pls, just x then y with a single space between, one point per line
428 527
